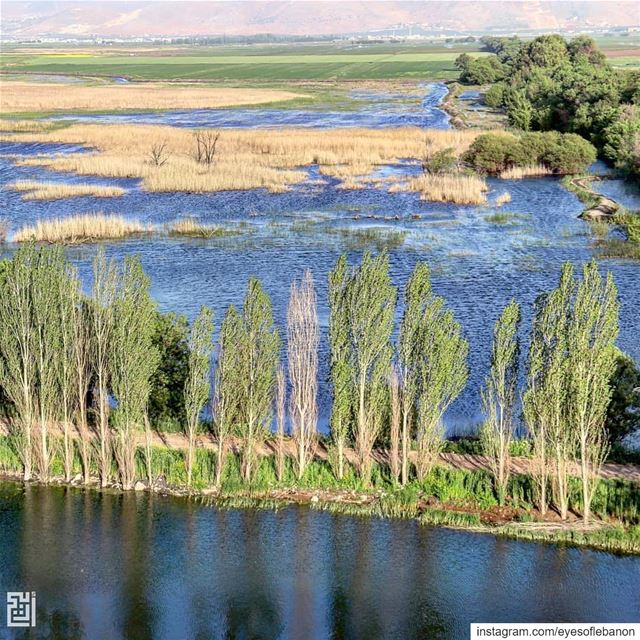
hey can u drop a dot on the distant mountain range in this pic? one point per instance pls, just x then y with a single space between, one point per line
304 17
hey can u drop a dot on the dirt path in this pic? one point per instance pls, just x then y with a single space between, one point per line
605 207
467 462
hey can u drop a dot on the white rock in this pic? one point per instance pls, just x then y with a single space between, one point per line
139 486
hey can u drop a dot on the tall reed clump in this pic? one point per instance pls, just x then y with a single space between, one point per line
531 171
34 190
456 188
190 227
87 227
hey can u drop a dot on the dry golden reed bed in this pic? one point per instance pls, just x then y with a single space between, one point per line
33 190
456 188
16 97
244 159
81 228
503 198
517 173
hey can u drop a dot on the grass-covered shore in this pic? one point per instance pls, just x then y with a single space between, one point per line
448 497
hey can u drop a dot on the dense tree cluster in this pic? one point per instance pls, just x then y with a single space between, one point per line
561 153
549 83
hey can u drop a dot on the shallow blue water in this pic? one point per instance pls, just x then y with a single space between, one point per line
136 566
377 110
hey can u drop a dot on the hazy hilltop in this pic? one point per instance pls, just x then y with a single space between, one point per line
297 17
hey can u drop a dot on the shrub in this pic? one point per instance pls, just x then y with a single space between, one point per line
494 97
623 415
559 152
166 401
489 152
570 154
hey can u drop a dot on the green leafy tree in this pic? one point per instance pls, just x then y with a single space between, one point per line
18 360
102 319
591 363
259 352
442 375
197 385
227 409
166 400
623 415
133 361
342 409
499 397
417 297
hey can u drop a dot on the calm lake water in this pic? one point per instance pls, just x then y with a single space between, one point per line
136 566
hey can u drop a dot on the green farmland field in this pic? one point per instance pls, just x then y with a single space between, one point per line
259 66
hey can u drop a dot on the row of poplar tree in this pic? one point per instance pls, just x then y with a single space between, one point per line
76 369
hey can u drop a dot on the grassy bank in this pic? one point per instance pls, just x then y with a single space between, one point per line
445 497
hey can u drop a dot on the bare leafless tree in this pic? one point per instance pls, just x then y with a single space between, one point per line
206 144
303 338
394 432
159 154
281 399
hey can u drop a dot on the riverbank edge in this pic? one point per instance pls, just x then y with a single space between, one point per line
371 505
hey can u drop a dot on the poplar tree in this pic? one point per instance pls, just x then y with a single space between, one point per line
228 375
442 375
18 360
102 321
416 298
369 301
394 426
546 397
591 362
47 288
340 366
197 384
499 397
133 362
259 352
303 336
67 287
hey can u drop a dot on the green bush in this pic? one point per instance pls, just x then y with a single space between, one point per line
494 97
561 153
166 401
489 152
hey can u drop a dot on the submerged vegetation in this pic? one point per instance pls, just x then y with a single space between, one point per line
190 227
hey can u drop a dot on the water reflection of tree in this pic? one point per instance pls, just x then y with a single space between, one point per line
136 533
381 583
249 594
